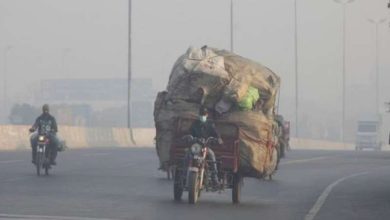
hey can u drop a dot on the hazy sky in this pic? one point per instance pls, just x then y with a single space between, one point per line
88 39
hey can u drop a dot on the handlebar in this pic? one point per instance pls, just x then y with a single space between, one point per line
203 141
31 130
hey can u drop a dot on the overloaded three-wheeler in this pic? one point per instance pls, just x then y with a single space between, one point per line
193 173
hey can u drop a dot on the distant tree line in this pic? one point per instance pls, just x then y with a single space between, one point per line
22 114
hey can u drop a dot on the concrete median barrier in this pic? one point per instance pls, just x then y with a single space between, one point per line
14 137
319 144
17 137
144 136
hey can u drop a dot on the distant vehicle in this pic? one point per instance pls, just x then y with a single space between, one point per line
368 134
283 135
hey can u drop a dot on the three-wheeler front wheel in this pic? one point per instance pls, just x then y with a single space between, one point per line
178 186
193 187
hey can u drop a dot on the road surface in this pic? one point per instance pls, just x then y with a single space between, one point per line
113 183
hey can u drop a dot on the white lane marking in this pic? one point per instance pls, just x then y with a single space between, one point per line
10 161
43 217
303 160
321 200
96 154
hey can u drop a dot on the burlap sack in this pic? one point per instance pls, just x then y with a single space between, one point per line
165 117
197 69
256 143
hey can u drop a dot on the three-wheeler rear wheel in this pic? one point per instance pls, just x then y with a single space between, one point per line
236 190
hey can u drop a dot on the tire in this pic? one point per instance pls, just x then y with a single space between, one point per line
38 163
169 177
236 191
177 187
171 173
282 150
193 187
47 170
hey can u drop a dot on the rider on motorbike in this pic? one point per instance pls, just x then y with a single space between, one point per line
203 128
45 124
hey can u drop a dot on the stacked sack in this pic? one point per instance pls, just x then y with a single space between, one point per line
239 91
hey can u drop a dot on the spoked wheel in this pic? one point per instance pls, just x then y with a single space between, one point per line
236 191
177 186
193 187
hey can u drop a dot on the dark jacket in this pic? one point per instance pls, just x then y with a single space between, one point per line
45 123
204 130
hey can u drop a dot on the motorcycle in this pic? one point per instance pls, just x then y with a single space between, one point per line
42 158
197 175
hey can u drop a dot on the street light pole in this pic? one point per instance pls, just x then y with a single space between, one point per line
344 4
231 26
388 6
296 70
377 23
129 77
5 82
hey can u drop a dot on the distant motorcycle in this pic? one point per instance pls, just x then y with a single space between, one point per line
42 157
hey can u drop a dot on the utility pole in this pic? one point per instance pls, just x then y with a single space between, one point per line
377 23
344 5
129 78
388 6
296 70
231 26
5 82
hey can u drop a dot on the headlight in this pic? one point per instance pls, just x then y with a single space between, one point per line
196 149
41 138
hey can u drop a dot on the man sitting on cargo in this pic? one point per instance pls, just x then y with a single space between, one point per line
203 128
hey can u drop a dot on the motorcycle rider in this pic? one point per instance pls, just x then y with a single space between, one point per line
45 123
203 128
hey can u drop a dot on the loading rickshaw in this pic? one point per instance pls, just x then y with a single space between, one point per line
192 168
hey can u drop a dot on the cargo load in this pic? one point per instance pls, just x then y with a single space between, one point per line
236 89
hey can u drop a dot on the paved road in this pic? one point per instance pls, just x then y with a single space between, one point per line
125 184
